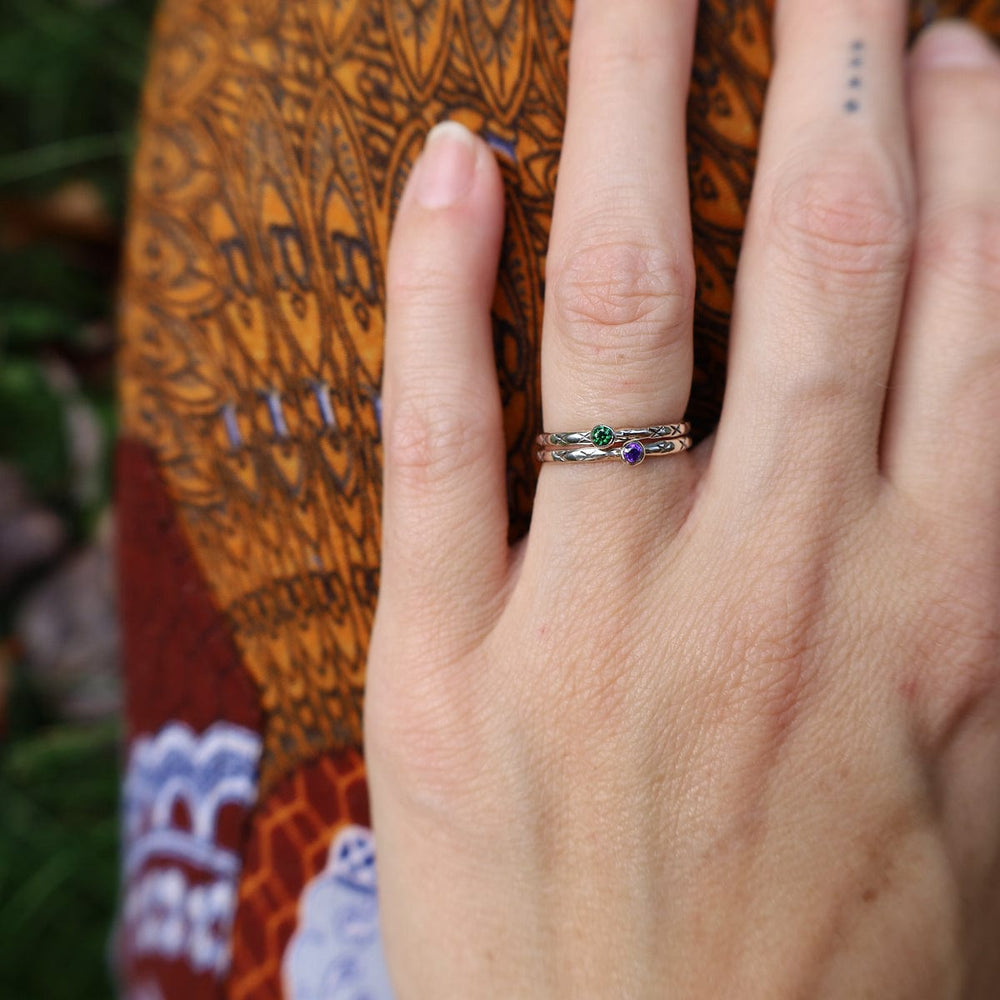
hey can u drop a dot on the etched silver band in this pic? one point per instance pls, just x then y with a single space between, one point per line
603 433
632 453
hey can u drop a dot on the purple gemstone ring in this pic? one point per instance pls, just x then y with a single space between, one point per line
632 453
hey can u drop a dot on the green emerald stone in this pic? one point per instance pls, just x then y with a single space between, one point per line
602 435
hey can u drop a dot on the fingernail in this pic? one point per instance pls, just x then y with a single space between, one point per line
446 166
958 43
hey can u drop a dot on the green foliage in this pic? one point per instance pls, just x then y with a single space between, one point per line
69 75
33 427
47 304
45 297
58 864
70 72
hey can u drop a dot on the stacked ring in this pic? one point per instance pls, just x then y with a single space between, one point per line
603 436
630 445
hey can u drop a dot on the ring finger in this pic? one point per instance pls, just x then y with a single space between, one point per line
825 257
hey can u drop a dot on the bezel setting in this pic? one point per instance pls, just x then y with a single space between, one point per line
602 436
633 453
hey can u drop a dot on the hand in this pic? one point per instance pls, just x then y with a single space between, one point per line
726 724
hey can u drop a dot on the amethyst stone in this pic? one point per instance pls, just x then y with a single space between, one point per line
633 453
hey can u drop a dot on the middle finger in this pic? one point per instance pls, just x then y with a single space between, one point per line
616 345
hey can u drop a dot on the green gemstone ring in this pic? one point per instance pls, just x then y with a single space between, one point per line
605 436
602 436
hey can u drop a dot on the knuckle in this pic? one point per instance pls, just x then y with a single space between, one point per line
420 437
847 218
408 435
416 278
429 737
776 626
607 292
820 380
962 245
626 55
958 642
771 675
947 616
428 260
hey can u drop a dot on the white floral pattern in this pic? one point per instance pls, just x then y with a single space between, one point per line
336 950
180 889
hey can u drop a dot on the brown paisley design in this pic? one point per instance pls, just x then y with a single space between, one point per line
498 38
420 35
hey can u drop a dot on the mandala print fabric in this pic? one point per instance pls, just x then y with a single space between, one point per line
276 137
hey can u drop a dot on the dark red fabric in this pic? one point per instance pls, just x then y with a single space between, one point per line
181 661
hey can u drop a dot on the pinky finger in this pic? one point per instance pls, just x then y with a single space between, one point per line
947 369
444 531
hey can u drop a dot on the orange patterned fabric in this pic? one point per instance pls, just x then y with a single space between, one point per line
276 137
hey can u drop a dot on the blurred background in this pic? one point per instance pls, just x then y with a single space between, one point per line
70 74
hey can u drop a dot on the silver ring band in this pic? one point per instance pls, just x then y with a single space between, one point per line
603 436
632 453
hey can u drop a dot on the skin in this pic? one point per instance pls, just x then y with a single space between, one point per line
726 724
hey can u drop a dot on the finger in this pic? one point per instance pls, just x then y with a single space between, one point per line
824 261
946 378
616 345
444 497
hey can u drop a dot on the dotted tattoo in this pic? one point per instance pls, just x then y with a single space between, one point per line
852 102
